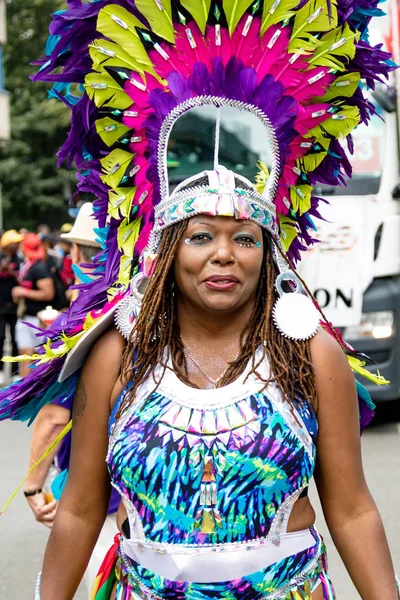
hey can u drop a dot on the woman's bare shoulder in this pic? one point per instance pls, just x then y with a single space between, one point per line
104 360
109 347
326 353
335 381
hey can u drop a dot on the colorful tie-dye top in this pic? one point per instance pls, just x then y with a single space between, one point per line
211 466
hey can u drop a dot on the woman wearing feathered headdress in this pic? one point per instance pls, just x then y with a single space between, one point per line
220 398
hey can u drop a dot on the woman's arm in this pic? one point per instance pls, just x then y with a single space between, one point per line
49 423
350 512
83 505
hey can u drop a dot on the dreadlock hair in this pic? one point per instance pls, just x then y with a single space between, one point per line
157 329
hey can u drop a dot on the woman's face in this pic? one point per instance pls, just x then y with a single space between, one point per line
218 263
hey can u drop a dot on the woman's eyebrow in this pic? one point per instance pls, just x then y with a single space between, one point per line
201 221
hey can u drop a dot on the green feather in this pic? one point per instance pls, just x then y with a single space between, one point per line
284 10
120 202
123 32
310 162
110 131
288 231
337 126
234 11
300 196
105 91
107 54
160 20
344 86
128 233
114 166
306 24
199 9
326 54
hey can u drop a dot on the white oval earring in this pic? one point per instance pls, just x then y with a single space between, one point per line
128 312
294 313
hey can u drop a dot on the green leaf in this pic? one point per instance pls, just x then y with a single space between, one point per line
314 17
107 54
199 9
160 20
117 24
284 10
105 91
234 11
338 42
110 131
344 86
114 167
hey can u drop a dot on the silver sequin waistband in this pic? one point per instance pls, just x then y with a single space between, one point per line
211 566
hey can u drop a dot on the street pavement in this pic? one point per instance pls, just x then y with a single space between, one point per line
22 540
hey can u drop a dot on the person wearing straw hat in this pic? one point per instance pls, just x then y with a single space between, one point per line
9 267
85 245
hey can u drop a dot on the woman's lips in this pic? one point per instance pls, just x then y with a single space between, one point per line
221 283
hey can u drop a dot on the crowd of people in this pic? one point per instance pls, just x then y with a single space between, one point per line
37 270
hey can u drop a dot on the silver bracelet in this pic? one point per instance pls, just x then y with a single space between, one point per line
37 588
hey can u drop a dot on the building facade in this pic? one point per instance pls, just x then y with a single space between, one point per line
4 97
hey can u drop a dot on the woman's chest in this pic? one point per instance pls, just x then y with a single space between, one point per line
211 465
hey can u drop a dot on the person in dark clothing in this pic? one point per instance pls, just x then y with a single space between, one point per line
9 267
55 265
36 291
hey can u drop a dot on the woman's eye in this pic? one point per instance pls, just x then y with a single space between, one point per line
246 240
198 239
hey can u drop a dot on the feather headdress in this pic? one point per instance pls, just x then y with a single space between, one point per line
129 69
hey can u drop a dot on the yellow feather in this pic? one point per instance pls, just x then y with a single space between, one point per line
199 10
234 11
159 19
41 459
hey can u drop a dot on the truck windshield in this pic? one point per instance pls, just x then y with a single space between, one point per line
367 161
243 143
192 143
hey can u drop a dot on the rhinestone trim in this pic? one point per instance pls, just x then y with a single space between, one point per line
218 102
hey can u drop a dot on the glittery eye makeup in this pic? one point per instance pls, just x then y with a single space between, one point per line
246 240
199 239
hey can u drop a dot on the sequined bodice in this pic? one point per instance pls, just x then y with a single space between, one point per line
211 466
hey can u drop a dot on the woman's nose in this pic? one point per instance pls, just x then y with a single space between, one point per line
223 253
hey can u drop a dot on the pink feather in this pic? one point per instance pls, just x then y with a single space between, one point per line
139 97
140 177
146 204
248 45
271 58
139 147
162 66
296 151
137 123
305 92
305 121
281 208
192 55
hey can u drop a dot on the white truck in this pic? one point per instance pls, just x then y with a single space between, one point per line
355 271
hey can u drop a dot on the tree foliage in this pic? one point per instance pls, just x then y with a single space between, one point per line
34 189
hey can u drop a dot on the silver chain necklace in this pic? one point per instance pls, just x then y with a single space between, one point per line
214 382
